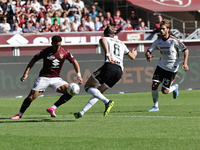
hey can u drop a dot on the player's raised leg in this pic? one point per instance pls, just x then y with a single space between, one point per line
174 89
175 92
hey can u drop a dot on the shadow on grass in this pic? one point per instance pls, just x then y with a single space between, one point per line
32 120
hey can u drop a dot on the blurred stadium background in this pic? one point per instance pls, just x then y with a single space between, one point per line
17 49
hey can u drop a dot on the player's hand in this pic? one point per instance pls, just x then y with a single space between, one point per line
79 80
111 60
134 52
149 57
185 67
24 77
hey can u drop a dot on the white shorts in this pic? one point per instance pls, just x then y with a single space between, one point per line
42 83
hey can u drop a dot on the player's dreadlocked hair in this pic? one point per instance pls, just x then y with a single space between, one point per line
56 38
166 23
109 30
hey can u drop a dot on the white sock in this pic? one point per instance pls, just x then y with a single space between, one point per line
96 93
154 94
89 104
172 88
53 106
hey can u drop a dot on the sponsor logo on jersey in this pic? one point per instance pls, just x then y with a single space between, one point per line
71 56
55 63
164 47
52 57
61 56
165 52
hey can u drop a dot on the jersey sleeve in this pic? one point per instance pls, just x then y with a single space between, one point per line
153 47
70 57
180 46
39 55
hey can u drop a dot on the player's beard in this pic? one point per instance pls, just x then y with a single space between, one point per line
164 35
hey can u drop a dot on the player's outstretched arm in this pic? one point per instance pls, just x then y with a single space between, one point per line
28 68
78 71
132 54
185 66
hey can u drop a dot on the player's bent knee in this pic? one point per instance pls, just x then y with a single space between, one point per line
165 91
154 87
31 98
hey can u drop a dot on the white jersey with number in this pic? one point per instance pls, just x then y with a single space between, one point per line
117 50
169 50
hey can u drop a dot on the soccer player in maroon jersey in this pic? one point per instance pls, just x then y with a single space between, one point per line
53 60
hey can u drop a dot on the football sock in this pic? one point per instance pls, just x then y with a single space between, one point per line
172 88
24 106
154 94
63 99
89 104
54 106
96 93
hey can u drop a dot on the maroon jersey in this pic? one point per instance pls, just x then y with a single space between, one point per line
23 7
84 28
18 8
46 29
53 62
110 21
55 28
102 28
49 8
117 27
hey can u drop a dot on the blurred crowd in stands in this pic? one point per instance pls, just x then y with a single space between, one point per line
62 16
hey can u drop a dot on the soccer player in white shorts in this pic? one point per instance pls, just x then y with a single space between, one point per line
53 58
42 83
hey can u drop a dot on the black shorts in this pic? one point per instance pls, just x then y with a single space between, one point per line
108 74
161 75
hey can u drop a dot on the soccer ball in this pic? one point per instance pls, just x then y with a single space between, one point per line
73 89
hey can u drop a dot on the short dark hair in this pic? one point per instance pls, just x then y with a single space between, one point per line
109 30
56 39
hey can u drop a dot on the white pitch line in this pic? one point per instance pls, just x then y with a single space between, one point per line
156 117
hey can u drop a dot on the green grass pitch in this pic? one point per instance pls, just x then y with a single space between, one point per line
129 126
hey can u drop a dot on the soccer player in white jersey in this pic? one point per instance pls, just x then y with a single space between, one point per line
109 74
168 64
